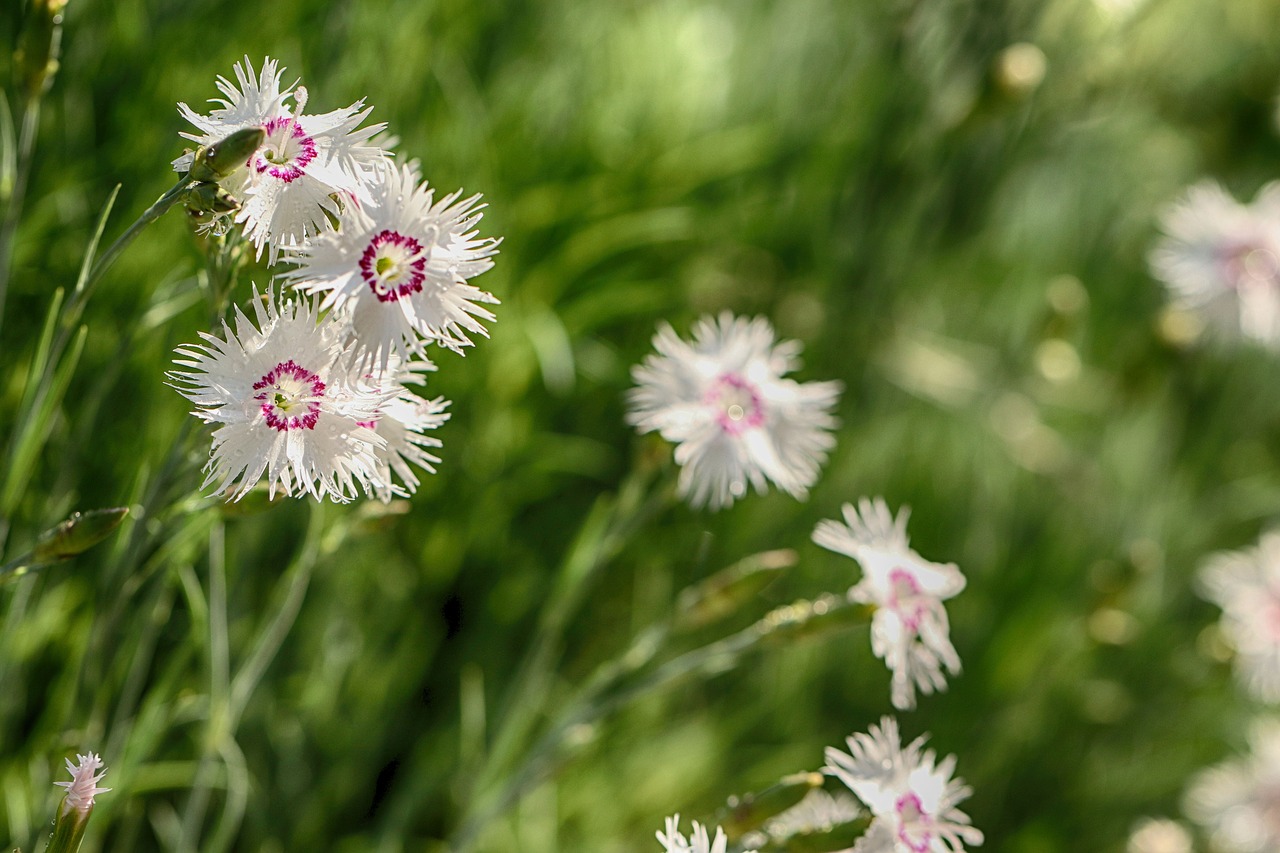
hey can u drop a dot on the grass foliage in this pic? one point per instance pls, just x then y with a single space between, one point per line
961 245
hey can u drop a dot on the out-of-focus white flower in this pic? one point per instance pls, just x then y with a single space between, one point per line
1221 260
86 773
817 812
1238 802
909 629
1246 585
401 422
307 162
913 799
699 842
398 267
1158 835
289 401
735 421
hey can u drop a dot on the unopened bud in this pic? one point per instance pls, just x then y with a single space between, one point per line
842 837
745 813
206 197
728 589
77 805
35 58
78 533
214 162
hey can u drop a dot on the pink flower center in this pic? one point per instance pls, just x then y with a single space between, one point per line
290 396
736 402
915 825
905 599
286 151
393 265
1250 263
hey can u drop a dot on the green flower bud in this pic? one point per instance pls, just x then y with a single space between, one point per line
743 814
206 197
725 591
35 59
214 162
78 533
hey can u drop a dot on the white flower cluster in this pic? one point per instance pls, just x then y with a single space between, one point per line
735 420
313 390
913 799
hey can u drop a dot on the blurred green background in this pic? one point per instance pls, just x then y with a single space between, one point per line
948 202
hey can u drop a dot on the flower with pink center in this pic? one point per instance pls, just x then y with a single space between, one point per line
289 402
86 773
735 420
1221 260
1246 585
291 186
1238 802
397 269
909 629
912 797
401 422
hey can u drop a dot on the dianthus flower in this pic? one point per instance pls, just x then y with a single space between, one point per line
305 168
1221 260
1238 802
912 797
1246 585
289 401
735 421
909 629
400 422
398 267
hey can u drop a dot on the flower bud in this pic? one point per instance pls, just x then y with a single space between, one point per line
725 591
78 533
206 197
214 162
745 813
35 59
77 805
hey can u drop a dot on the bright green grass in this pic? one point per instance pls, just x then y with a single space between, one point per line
947 246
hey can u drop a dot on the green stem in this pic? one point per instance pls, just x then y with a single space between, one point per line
776 628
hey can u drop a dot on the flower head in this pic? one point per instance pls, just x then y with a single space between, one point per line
1238 802
1246 585
292 183
400 422
909 630
1221 259
699 842
398 267
289 402
912 797
722 400
86 773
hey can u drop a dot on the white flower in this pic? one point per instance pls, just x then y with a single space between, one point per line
1221 259
1238 802
722 400
398 267
400 421
912 798
305 164
699 842
289 402
1158 835
909 630
86 773
1246 585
